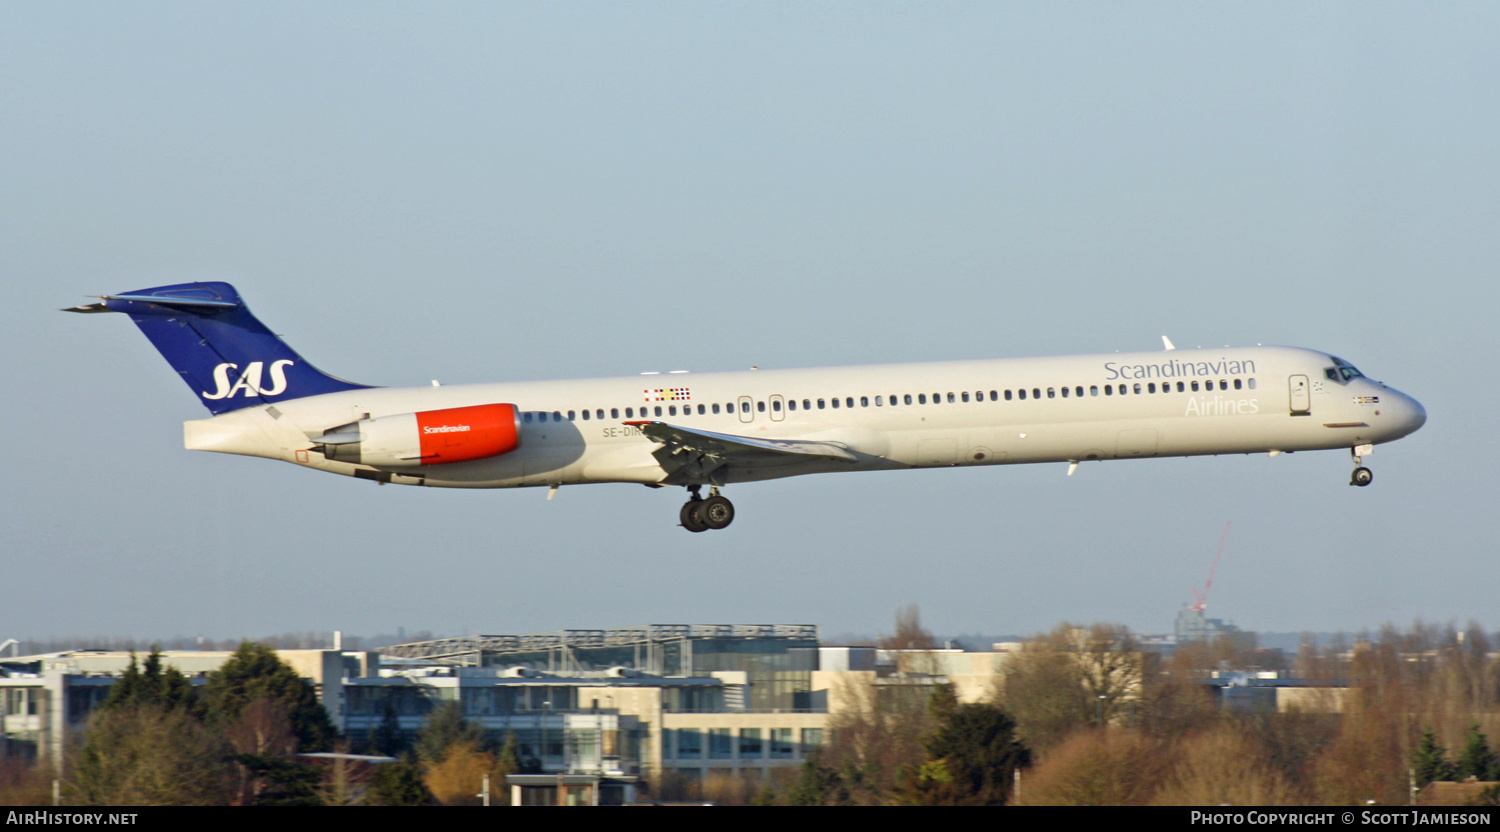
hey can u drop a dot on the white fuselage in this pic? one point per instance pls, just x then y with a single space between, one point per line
895 416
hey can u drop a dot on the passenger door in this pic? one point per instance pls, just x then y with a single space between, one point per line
1301 398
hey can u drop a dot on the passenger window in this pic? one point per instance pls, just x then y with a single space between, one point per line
880 401
1151 388
1051 392
1036 392
744 407
864 401
1137 388
1065 392
571 415
527 417
791 404
820 404
1252 384
950 398
671 410
1109 389
716 408
776 405
658 410
908 398
1007 395
921 398
807 404
1093 389
585 415
1237 384
994 396
614 413
760 406
702 410
1022 391
849 401
1181 388
835 404
1078 391
1195 387
966 397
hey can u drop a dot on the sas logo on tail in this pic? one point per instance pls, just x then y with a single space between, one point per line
249 381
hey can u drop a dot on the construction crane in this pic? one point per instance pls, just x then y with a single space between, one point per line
1202 600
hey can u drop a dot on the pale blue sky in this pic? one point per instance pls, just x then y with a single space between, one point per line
492 191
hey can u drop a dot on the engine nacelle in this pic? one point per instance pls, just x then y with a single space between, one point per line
429 437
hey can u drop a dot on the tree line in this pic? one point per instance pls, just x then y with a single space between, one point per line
239 739
1085 716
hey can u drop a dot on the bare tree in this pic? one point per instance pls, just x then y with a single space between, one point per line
147 755
1071 678
1224 767
1092 767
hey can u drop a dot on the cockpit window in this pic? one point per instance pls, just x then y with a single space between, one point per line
1342 371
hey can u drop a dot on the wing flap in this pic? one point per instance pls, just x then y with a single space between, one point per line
710 442
689 455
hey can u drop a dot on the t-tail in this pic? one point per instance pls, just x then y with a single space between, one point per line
219 348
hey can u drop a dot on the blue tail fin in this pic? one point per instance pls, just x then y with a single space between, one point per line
210 338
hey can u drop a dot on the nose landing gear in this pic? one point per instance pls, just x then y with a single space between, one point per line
1361 476
700 515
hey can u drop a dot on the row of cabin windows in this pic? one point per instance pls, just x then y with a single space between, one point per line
1137 388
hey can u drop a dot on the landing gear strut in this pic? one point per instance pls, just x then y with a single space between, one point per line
1361 476
700 515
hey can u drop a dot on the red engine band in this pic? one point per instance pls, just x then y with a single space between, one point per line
460 434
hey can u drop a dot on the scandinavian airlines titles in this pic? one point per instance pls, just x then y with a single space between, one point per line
1176 369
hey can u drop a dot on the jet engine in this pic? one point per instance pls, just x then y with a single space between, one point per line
428 437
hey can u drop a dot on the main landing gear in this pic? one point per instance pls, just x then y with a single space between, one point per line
700 515
1361 476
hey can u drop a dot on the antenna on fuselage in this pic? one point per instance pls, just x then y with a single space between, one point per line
1167 343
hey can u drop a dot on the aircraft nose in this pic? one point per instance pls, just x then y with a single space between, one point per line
1409 414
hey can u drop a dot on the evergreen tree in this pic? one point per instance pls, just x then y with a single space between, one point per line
255 672
1430 762
281 781
972 756
1477 760
152 685
388 739
446 726
818 785
398 784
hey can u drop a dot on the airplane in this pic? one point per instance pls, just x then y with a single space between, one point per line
711 430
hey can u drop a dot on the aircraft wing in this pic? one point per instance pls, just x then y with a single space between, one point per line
689 455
